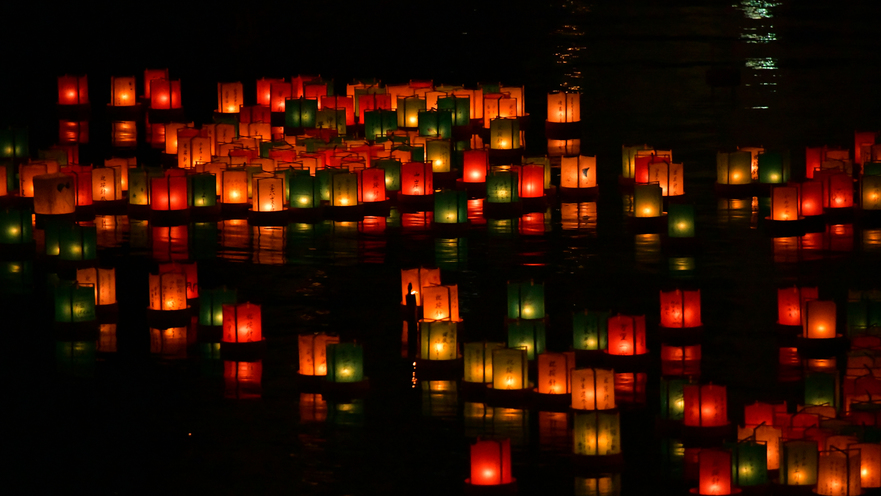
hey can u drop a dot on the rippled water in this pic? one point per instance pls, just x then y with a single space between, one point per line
693 77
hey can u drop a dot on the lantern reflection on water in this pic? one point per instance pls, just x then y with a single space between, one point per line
242 380
597 433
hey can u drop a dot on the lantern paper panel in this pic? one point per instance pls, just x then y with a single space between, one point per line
590 330
81 176
773 168
647 201
784 203
578 172
529 335
870 193
106 184
416 280
509 369
503 187
597 433
74 303
818 319
491 462
441 302
168 291
73 90
672 399
554 372
168 193
268 193
870 463
211 303
122 91
526 300
626 335
681 308
790 302
313 353
164 94
838 473
749 463
564 107
593 389
103 281
438 340
451 207
417 179
242 323
475 165
345 362
478 361
504 134
714 472
230 97
705 405
16 226
54 194
734 168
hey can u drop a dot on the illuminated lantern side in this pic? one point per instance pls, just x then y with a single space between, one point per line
590 330
139 184
784 203
202 190
838 473
441 302
168 291
451 207
814 156
715 472
82 183
626 335
501 187
16 226
438 154
479 361
242 323
870 464
168 193
106 184
371 185
790 302
164 94
504 134
78 243
509 369
811 194
593 389
668 175
475 165
839 191
268 193
435 123
531 181
73 90
417 179
772 168
344 189
555 372
672 399
345 362
526 300
818 319
313 353
578 172
408 108
564 107
122 91
211 303
680 221
628 160
870 193
300 113
528 335
304 191
235 186
230 98
681 360
416 280
74 303
490 463
798 466
681 308
749 464
705 405
597 433
26 175
378 123
647 201
458 106
104 282
438 340
151 75
54 194
733 168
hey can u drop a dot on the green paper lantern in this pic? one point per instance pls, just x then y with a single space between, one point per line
78 243
345 362
501 187
392 170
300 112
673 398
734 167
14 143
821 389
526 300
74 303
680 220
437 340
459 107
772 169
436 123
306 191
202 190
417 152
332 119
749 463
451 207
799 463
377 123
504 134
528 334
139 179
437 151
15 226
211 303
590 330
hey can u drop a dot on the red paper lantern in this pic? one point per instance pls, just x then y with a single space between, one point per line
151 75
279 92
475 164
490 463
681 308
341 103
73 90
164 94
790 302
532 180
169 193
761 413
626 335
82 182
705 405
242 323
680 360
371 185
715 472
811 198
417 179
264 90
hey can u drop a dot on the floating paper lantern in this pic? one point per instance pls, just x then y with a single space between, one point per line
564 107
668 175
344 189
438 340
301 113
304 192
529 335
681 308
103 281
715 472
451 207
313 353
122 91
838 473
438 154
597 433
459 108
491 463
672 399
378 123
870 464
593 389
78 243
235 186
870 193
345 362
16 227
811 195
478 361
54 194
790 302
590 330
230 98
475 165
838 189
106 184
164 94
526 300
151 75
408 108
139 184
798 466
74 303
416 280
578 172
509 369
705 405
441 302
531 181
734 168
647 201
502 187
168 289
627 335
772 168
201 190
82 183
242 323
749 463
504 134
435 123
681 360
818 319
73 90
268 193
26 175
211 303
555 372
168 193
417 179
680 220
784 203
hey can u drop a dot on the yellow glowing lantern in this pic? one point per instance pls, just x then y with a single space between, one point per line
555 371
169 343
441 302
235 186
870 193
438 340
104 282
168 291
122 91
578 172
268 192
647 201
784 203
838 473
734 168
509 369
230 97
106 184
818 319
870 464
564 107
504 134
313 353
54 194
414 281
479 361
593 389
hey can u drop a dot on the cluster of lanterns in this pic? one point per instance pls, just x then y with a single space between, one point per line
450 155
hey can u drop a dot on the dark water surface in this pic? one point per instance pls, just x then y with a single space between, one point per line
693 77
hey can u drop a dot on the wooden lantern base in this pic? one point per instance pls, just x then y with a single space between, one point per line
595 463
686 334
563 130
351 213
502 210
550 402
649 225
439 370
421 202
785 228
821 348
